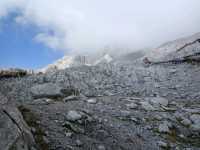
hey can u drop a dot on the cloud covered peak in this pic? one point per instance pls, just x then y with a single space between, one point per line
90 25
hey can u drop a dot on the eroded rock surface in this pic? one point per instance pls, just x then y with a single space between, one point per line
14 132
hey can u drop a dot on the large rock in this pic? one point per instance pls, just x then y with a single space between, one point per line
14 132
47 90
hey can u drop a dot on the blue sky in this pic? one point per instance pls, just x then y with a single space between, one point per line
19 49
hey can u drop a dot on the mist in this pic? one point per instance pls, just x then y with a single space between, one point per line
76 26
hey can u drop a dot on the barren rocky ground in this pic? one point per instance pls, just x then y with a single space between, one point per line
120 106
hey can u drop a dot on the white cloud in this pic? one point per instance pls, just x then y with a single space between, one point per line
91 25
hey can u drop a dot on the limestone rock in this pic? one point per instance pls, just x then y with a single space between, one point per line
196 122
147 106
47 90
159 101
73 115
92 101
186 122
164 127
131 105
14 132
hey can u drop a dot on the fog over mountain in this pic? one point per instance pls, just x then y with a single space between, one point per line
76 26
128 80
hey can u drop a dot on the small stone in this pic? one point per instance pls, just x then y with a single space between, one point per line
146 106
181 136
195 118
101 147
125 113
157 117
42 101
159 101
134 119
188 148
196 122
79 143
70 98
186 122
105 120
45 139
195 127
179 116
92 101
73 127
193 111
164 127
162 144
73 116
131 105
148 127
68 134
172 71
33 129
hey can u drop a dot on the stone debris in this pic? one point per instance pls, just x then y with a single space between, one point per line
73 115
165 127
71 98
132 106
162 144
147 106
101 147
92 101
47 90
196 122
186 122
159 101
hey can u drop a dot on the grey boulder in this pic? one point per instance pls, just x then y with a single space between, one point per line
47 90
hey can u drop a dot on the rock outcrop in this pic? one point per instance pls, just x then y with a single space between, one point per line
14 132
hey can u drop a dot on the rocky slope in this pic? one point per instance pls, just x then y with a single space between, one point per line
75 61
188 48
120 105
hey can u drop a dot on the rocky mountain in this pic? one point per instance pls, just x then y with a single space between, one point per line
75 61
117 104
65 62
188 47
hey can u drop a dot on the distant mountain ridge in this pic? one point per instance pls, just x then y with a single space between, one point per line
187 47
73 61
